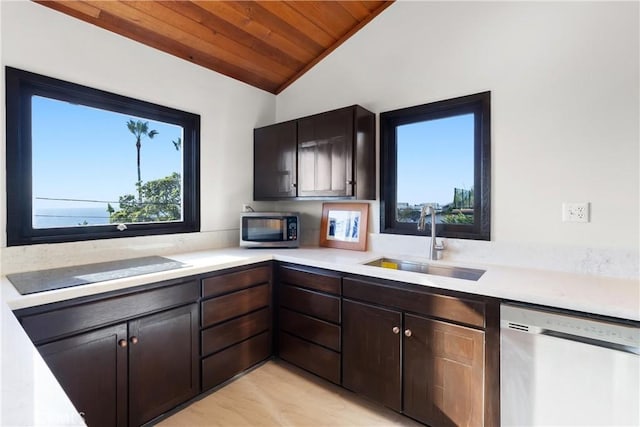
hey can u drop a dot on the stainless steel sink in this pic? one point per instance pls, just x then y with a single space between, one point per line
425 268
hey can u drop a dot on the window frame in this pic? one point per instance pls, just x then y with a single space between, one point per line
480 105
20 86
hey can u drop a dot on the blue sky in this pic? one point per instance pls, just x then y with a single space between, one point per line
86 153
434 157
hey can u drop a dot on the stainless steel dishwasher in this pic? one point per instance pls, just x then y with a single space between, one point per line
563 370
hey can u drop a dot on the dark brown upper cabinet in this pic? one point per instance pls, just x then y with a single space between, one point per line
327 155
274 161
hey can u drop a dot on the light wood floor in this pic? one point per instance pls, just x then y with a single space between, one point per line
278 394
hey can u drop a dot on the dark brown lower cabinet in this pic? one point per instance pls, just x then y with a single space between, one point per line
309 356
227 363
92 370
123 359
309 318
371 352
428 369
443 372
236 323
141 368
163 362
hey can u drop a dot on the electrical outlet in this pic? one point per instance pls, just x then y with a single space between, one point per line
575 212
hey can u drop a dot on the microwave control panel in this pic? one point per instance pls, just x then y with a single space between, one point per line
292 228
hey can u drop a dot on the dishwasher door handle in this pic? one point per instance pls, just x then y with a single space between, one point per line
591 341
536 330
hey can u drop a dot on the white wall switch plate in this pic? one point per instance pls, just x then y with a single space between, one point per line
575 212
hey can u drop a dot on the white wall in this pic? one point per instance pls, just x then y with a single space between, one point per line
38 39
564 78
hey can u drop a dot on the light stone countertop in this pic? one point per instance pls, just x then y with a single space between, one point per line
598 295
25 379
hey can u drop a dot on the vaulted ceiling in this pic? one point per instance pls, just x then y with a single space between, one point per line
267 44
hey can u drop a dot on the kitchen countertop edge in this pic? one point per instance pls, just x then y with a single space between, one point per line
595 295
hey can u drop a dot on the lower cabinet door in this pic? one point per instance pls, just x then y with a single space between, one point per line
443 373
371 352
92 370
163 362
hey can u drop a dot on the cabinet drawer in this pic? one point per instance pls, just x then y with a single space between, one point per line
221 366
313 358
82 317
233 305
319 305
230 282
445 307
315 281
311 329
228 333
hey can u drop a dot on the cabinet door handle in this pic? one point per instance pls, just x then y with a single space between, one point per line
396 330
134 340
82 414
407 332
122 343
294 185
349 182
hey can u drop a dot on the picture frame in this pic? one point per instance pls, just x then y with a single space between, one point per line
344 226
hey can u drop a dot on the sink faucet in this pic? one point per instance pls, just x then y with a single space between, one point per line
435 249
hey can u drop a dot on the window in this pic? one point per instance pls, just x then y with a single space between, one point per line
437 154
86 164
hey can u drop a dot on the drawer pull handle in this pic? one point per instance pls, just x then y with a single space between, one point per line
396 330
134 340
407 332
82 414
122 343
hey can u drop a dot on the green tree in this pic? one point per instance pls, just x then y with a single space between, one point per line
139 129
457 218
408 214
159 200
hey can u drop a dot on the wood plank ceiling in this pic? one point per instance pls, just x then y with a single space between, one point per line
267 44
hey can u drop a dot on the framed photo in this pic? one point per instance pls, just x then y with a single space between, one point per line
344 226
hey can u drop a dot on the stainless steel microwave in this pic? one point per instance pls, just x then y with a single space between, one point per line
270 229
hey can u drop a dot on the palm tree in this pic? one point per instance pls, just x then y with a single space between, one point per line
140 129
177 144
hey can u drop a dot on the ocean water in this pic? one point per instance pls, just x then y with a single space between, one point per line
70 217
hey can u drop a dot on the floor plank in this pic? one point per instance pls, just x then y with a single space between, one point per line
278 394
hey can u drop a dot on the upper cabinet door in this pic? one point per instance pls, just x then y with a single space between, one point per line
274 154
325 154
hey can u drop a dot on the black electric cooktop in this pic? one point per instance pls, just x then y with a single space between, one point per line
46 280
